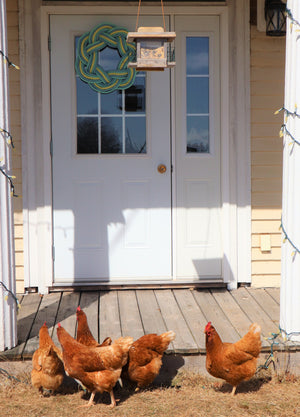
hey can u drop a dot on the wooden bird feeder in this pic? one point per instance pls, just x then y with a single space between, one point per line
152 47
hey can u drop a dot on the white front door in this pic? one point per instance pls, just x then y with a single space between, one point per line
115 216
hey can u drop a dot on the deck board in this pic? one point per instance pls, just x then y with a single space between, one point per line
66 314
274 293
89 303
192 314
254 312
137 312
25 319
131 322
267 303
26 315
150 312
109 316
215 314
234 313
45 314
174 320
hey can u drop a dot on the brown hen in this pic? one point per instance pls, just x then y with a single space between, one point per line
47 366
98 368
84 335
233 362
145 357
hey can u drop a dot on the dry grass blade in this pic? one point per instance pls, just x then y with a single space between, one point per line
189 395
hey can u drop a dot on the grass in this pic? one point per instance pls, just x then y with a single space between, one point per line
189 395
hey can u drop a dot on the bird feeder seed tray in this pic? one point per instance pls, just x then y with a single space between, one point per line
151 48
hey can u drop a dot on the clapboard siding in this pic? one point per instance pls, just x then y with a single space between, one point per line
267 96
15 128
261 214
265 144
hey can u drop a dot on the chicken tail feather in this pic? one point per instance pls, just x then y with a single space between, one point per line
251 342
255 328
168 337
124 342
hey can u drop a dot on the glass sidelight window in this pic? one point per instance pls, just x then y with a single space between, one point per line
113 123
197 94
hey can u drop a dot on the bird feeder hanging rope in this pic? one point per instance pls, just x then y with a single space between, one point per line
138 15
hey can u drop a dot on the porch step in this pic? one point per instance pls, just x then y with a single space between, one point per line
136 312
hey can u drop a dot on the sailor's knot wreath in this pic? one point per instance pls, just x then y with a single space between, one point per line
87 64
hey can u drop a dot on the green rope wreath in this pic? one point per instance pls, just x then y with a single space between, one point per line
88 68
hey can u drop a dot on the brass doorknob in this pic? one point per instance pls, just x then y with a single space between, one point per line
161 168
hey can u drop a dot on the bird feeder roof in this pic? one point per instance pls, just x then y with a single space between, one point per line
151 32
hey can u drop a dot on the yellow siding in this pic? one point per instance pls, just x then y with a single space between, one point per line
268 280
267 95
15 128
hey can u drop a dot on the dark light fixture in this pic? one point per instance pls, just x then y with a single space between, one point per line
275 18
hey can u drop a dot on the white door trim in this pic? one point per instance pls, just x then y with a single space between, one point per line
36 133
240 142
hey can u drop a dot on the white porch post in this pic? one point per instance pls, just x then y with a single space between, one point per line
8 307
290 273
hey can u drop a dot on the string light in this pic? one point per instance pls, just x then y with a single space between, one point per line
270 358
292 19
9 137
6 59
288 335
10 178
9 376
284 130
11 293
6 132
286 238
288 112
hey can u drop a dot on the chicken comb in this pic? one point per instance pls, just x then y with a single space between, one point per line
208 326
58 325
78 308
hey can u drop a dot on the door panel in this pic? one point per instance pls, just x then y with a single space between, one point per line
198 148
111 211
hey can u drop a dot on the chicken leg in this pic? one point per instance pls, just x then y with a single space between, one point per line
112 399
90 403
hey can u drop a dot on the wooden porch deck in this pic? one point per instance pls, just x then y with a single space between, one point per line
137 312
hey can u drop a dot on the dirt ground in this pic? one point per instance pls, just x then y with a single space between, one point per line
188 395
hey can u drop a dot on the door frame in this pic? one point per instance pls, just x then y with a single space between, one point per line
36 133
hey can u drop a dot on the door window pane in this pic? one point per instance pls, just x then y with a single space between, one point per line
87 135
110 103
87 99
197 54
111 134
198 134
113 123
197 94
135 96
135 135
